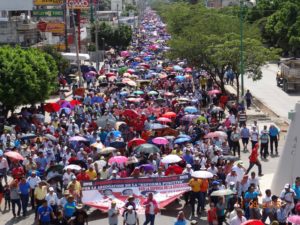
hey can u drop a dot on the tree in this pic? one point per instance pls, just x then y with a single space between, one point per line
119 36
61 63
26 76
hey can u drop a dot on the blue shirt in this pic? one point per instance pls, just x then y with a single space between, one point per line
250 196
188 159
180 222
273 131
42 162
45 213
245 133
24 188
297 191
69 209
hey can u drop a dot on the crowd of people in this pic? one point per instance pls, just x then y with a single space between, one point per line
144 107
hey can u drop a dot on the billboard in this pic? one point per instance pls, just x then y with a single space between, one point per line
78 4
48 13
48 2
16 5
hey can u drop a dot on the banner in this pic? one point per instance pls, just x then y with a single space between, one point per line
48 2
78 4
55 27
48 12
100 193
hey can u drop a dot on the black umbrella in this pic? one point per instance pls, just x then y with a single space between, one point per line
57 168
28 136
118 144
80 163
104 84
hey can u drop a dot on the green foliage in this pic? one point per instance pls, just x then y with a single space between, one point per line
61 63
211 37
26 76
119 36
279 22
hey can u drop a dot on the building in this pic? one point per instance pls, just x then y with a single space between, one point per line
225 3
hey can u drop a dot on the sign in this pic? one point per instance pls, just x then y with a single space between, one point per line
48 13
100 193
48 2
78 4
42 25
55 27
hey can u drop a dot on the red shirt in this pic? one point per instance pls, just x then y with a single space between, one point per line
212 215
253 156
83 177
17 173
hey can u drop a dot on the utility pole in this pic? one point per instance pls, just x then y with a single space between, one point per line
242 45
77 47
118 14
66 15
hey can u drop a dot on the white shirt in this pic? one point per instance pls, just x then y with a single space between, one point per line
130 218
67 178
232 119
240 172
214 170
33 181
254 135
254 181
52 199
237 221
230 179
288 196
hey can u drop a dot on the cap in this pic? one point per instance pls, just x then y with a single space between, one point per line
236 205
73 177
287 186
197 158
114 171
130 207
188 166
215 182
51 189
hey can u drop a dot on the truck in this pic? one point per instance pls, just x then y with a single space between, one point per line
289 75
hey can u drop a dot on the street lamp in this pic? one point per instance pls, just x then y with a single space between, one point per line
242 46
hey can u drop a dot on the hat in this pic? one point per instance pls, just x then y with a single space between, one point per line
287 186
79 206
194 222
114 171
73 177
188 166
236 205
66 192
51 189
130 207
215 182
130 197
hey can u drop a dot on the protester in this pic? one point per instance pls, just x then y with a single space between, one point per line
130 217
180 219
151 209
113 214
15 197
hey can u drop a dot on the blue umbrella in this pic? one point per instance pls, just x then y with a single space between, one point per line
116 133
97 99
180 78
191 109
177 68
183 136
123 93
65 110
155 126
181 140
27 137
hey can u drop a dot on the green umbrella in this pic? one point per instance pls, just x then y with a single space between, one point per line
147 148
152 93
122 70
138 92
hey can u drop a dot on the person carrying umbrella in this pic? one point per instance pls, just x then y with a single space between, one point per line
195 184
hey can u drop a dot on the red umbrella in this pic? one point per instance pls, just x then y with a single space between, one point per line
145 65
75 102
14 155
169 94
253 222
213 92
169 115
136 142
176 169
130 113
52 107
164 120
110 74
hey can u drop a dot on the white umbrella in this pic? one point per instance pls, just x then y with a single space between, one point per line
107 150
97 145
202 174
100 163
222 192
221 134
171 159
73 167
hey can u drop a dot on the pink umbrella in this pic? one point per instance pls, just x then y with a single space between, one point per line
118 160
160 141
169 94
214 92
211 135
14 155
164 120
125 54
188 70
77 138
294 219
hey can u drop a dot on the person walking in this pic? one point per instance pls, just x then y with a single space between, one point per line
113 214
264 143
253 160
15 197
45 213
248 97
33 181
239 218
254 136
195 184
274 138
130 217
24 188
235 138
151 209
245 135
3 167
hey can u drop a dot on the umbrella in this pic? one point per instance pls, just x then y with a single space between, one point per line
160 141
213 92
80 163
147 148
54 177
202 174
132 160
107 150
118 144
164 120
65 110
294 219
14 155
75 102
66 104
57 168
169 94
135 142
118 159
97 99
51 107
221 134
135 100
211 135
28 136
116 134
131 83
73 167
176 169
156 126
152 93
97 145
169 115
171 159
50 137
147 167
183 99
189 117
191 109
77 138
130 113
180 78
104 121
177 68
181 140
184 136
253 222
221 192
138 92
